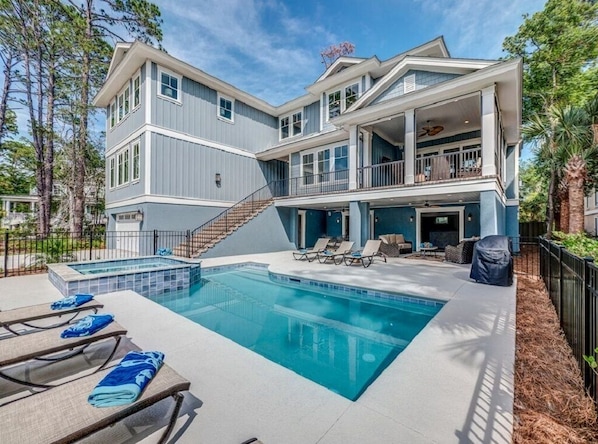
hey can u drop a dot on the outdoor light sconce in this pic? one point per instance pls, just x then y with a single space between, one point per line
329 213
469 217
218 179
139 216
338 220
410 218
376 219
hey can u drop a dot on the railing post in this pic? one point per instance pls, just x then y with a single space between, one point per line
5 253
90 243
588 345
560 286
188 236
155 242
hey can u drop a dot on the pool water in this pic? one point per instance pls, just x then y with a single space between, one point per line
119 265
330 337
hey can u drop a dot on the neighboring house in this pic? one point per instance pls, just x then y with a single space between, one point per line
420 144
18 209
591 214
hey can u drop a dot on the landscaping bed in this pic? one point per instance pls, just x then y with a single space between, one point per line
551 405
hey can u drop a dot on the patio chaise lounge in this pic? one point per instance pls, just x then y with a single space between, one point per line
337 255
26 315
365 256
63 415
49 346
310 254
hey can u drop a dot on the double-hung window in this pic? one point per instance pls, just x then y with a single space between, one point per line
308 169
324 165
291 125
123 167
112 172
113 114
135 156
136 91
339 101
169 86
123 103
225 108
341 162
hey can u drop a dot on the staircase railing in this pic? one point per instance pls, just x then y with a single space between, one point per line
229 218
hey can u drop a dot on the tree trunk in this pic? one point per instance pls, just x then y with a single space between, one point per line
563 196
81 142
576 173
5 92
550 204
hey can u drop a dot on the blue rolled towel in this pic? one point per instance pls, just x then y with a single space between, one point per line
87 326
127 380
356 254
71 301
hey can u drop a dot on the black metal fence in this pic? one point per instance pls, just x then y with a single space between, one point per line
26 253
572 284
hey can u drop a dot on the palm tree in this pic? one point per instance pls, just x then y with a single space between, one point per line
563 141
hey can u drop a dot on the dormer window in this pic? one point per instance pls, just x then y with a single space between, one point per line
339 101
291 125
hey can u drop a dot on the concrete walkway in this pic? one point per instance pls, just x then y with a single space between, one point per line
452 384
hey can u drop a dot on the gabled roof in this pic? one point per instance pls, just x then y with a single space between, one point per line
340 64
443 65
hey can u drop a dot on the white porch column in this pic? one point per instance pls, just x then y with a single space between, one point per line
488 131
410 146
6 206
353 156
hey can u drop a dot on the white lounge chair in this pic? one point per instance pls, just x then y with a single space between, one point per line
366 256
310 254
335 255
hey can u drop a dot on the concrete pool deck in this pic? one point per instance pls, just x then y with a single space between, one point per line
453 383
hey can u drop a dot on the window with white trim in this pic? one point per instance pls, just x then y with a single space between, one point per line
308 169
136 91
596 198
112 114
123 167
225 108
112 172
168 85
136 157
339 101
324 165
341 162
291 125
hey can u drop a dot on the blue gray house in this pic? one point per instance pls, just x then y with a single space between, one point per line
421 144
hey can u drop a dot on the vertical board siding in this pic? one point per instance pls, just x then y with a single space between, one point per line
423 79
382 148
274 170
132 122
184 169
132 189
311 115
196 115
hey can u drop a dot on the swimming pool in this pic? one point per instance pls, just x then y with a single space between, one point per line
339 338
117 265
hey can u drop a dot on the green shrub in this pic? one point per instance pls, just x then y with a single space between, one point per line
578 244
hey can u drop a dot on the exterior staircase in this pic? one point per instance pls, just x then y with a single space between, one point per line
226 223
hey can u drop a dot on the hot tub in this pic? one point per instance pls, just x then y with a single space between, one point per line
151 275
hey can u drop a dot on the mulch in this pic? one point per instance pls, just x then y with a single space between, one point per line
551 405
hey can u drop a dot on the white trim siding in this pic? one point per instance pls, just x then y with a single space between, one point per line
148 198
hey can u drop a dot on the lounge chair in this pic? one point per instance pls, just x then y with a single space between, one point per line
41 346
26 315
365 256
336 255
310 255
63 415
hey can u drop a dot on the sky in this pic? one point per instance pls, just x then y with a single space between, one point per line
271 48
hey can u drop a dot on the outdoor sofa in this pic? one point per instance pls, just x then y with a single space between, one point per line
394 244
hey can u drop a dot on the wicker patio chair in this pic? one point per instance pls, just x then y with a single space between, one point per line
460 254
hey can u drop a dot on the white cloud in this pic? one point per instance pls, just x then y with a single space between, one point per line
477 29
230 39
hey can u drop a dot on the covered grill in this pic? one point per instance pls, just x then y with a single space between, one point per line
492 262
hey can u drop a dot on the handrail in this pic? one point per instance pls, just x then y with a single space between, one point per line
229 209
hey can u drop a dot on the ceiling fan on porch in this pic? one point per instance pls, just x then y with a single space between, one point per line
430 130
